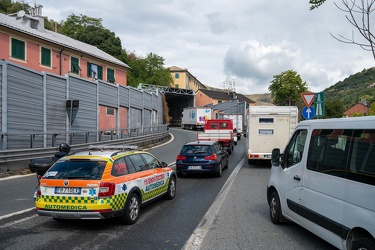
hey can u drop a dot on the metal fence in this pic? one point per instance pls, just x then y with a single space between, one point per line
34 109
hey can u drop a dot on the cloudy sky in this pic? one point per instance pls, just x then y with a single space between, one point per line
238 41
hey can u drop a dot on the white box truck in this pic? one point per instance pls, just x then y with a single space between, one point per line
237 123
269 127
195 117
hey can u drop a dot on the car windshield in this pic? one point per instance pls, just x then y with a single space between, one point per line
196 149
77 169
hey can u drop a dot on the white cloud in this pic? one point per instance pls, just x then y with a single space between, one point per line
250 41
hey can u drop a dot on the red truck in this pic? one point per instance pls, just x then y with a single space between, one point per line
220 130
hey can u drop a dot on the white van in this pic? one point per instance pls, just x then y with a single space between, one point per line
325 181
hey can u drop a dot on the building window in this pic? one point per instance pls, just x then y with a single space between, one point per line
176 75
110 75
110 111
45 56
176 86
74 65
219 101
94 71
18 49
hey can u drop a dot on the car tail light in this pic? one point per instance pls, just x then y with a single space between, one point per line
38 192
106 189
180 158
211 157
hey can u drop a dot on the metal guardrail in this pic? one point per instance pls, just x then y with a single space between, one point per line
32 139
11 157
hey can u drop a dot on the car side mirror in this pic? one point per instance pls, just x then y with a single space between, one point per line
275 159
164 164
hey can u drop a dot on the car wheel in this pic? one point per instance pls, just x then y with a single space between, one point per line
220 172
132 207
171 191
275 209
363 243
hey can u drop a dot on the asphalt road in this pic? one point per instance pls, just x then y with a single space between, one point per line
230 212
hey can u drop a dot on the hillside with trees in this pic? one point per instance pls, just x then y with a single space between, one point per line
359 87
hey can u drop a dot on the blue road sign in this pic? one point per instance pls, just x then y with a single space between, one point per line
308 112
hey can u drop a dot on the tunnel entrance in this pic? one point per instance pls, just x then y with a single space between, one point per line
177 100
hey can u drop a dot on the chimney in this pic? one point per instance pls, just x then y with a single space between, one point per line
37 20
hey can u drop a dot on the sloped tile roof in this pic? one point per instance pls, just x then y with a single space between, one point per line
58 39
221 95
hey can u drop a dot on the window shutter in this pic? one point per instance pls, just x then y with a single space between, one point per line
100 72
46 57
18 49
89 73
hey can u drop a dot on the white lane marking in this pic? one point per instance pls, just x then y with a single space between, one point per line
196 239
15 213
172 138
15 176
18 221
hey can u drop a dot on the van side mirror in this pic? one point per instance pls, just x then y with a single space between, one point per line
275 159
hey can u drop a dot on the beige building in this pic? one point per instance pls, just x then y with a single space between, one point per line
183 79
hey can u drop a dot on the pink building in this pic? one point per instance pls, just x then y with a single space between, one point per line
24 41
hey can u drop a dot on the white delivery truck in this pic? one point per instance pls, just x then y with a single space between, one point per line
269 127
237 123
195 117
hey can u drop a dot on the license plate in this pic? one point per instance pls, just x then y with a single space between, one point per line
195 167
67 190
267 156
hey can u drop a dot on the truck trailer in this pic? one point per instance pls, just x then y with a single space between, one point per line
237 123
195 117
269 127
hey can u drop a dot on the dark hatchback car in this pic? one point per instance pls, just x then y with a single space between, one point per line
202 157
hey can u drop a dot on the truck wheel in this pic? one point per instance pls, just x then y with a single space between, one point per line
275 209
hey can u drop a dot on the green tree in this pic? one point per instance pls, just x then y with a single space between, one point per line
372 109
8 7
53 25
315 3
75 25
333 108
149 70
91 31
286 88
